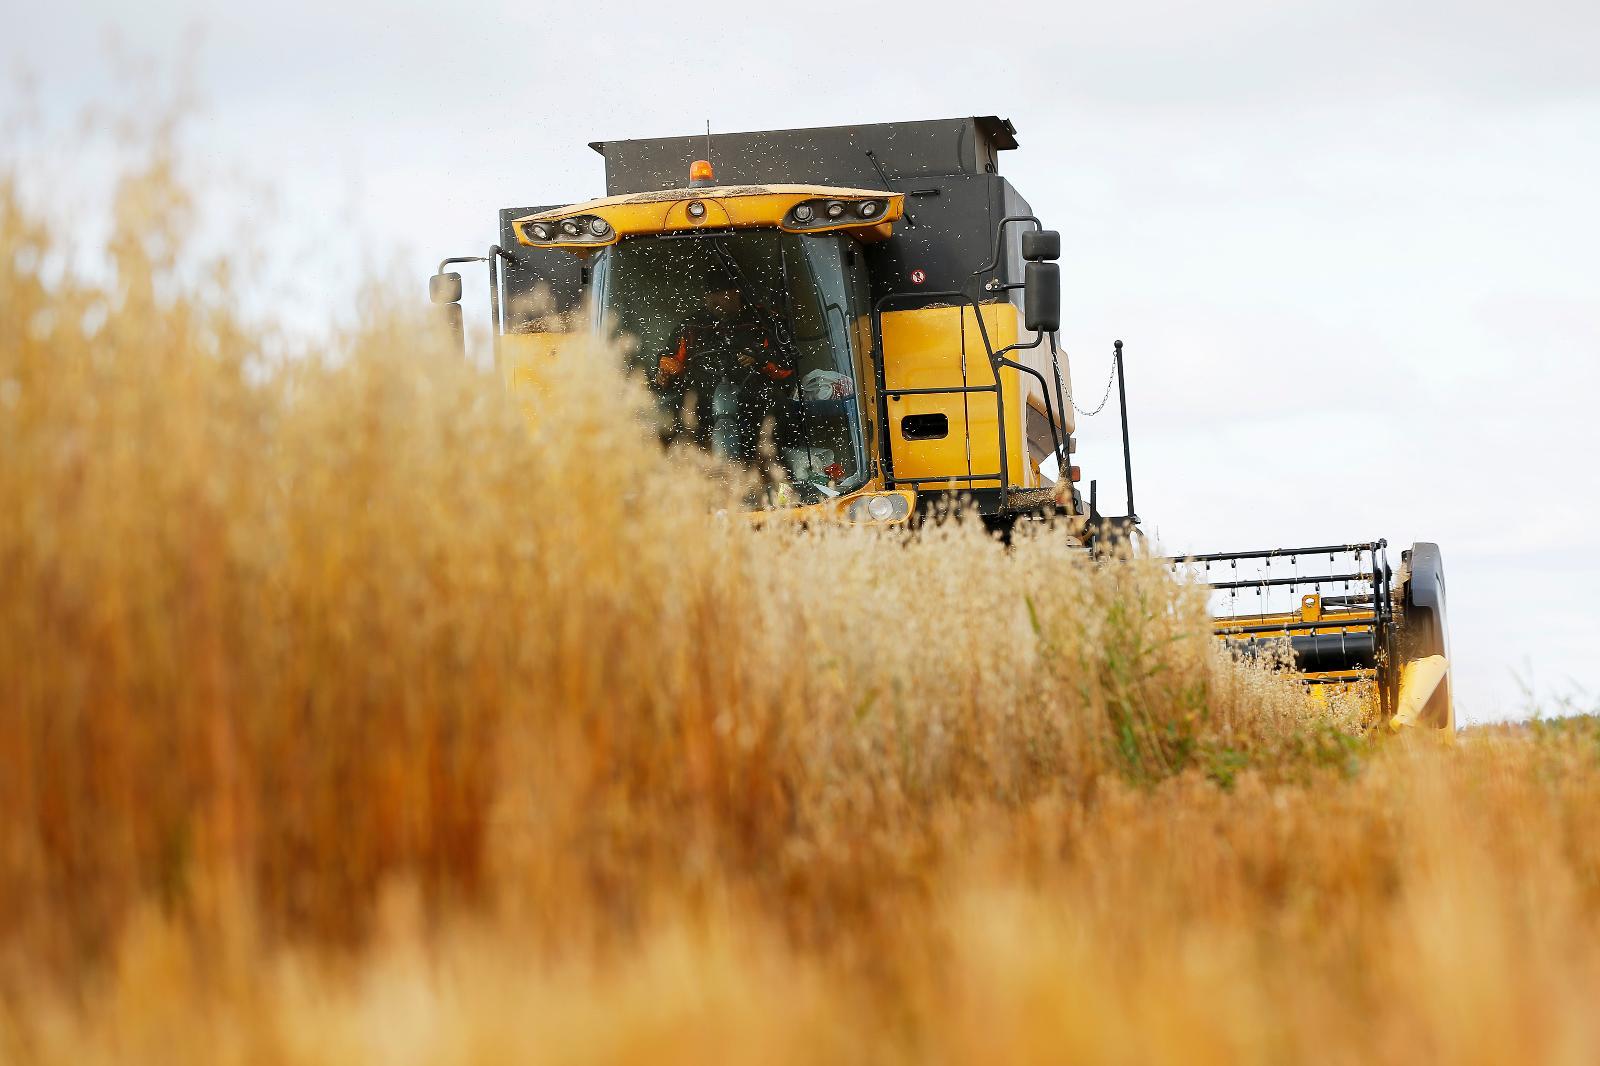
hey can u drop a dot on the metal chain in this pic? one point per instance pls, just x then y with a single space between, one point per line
1103 398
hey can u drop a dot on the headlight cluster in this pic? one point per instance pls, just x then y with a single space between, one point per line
579 229
819 213
883 507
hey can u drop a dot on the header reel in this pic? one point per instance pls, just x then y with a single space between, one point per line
1340 618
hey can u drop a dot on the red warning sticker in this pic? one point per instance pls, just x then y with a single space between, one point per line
918 277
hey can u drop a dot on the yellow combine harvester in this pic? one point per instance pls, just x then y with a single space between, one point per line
866 317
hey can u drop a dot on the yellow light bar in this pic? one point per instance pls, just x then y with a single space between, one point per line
870 214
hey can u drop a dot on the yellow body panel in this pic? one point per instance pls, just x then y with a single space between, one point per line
1334 622
726 207
941 347
523 357
1419 679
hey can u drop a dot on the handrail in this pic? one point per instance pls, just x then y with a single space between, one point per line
1050 415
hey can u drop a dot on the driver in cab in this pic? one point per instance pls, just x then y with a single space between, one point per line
729 339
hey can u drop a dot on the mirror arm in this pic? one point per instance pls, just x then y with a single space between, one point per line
496 322
497 318
994 260
1038 339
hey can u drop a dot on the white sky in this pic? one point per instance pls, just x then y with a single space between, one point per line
1351 246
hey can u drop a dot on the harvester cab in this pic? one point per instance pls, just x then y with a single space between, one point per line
866 316
872 309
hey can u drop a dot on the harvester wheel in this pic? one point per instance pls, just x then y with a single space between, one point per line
1423 636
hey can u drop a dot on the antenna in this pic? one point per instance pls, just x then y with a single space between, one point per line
708 141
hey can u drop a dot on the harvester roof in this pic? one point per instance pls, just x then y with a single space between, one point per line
941 176
862 155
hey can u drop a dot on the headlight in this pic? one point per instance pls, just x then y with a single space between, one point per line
804 213
696 209
887 507
538 232
570 228
834 209
868 208
598 227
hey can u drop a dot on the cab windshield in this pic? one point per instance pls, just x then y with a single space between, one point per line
749 342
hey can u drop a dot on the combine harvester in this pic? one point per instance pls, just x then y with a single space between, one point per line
874 310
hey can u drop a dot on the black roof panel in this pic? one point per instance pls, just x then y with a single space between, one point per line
825 155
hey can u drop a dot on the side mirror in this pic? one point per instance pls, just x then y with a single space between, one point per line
452 322
1042 245
445 288
1041 297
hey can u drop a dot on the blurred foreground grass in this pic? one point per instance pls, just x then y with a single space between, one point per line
344 718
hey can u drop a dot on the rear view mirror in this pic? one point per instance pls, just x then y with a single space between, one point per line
445 288
1041 297
1041 245
452 322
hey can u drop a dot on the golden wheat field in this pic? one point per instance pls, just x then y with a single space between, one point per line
346 718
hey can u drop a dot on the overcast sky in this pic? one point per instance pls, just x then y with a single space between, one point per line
1351 246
